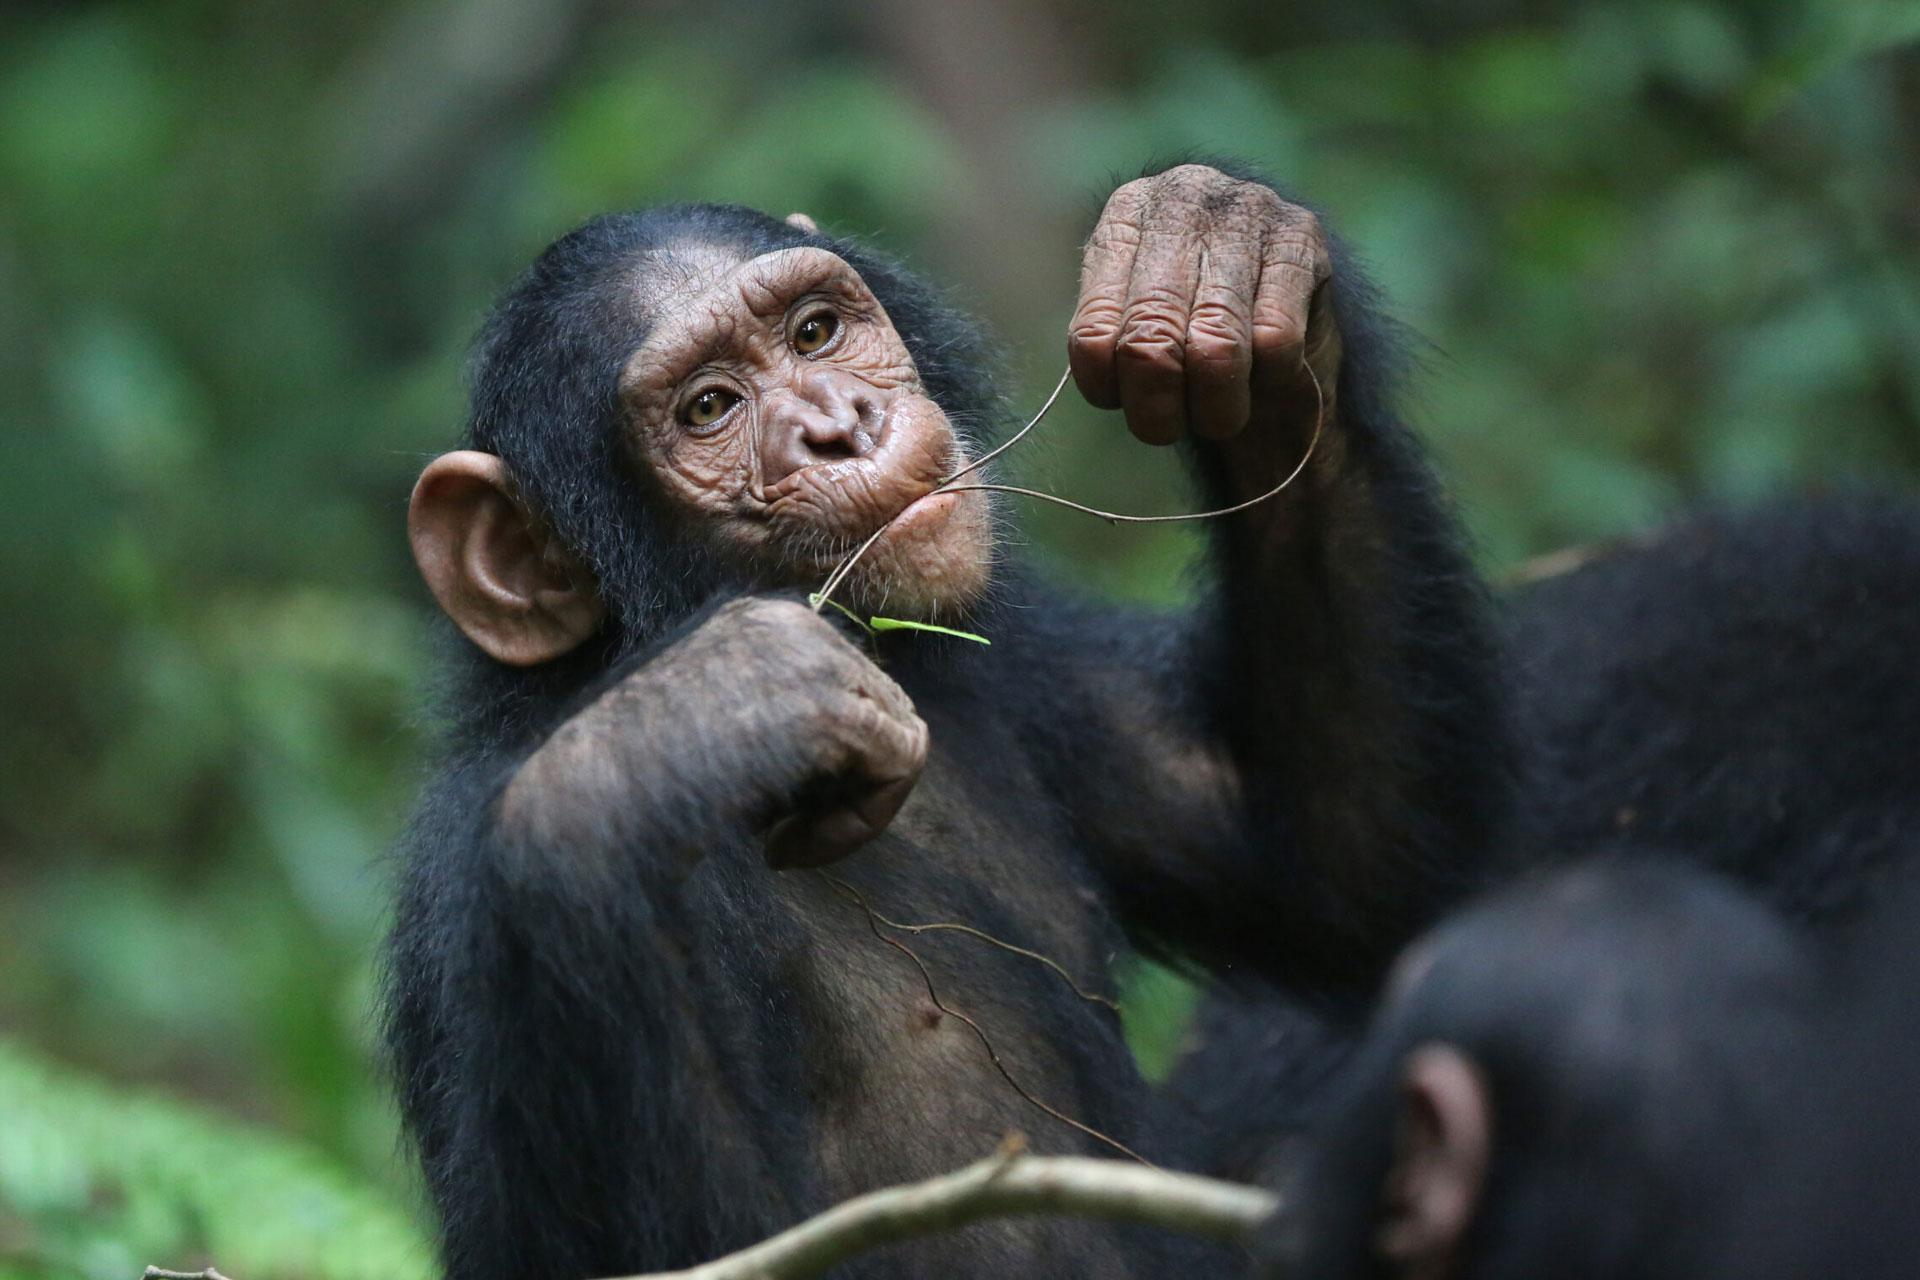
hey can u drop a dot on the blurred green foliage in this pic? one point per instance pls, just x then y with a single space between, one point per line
1655 252
97 1183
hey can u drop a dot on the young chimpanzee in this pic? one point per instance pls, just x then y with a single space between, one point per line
1585 1076
632 1027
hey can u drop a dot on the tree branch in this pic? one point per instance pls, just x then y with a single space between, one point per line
1007 1184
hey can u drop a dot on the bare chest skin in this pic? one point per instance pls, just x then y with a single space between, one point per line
877 1034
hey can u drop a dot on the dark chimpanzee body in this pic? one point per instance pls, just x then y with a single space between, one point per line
622 1041
1583 1076
1740 691
1837 1197
1737 691
1734 691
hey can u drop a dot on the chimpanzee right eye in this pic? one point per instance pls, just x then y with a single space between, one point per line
709 407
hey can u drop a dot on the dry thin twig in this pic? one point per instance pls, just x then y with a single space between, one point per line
1008 1184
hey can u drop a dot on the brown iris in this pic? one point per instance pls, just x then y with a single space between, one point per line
709 407
815 332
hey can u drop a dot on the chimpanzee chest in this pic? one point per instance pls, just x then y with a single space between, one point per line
968 933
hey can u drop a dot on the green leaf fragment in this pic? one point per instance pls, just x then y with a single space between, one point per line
896 624
901 624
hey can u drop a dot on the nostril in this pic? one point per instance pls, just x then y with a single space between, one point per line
835 447
837 417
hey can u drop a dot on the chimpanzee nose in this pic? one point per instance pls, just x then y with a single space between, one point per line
827 415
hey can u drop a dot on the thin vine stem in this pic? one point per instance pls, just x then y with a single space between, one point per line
846 567
1017 436
979 1032
950 926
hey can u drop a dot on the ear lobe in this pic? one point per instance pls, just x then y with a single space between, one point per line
803 222
500 577
1440 1166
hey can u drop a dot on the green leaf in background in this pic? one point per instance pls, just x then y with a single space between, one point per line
98 1183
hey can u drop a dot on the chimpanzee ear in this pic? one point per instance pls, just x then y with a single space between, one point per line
1440 1162
803 222
493 567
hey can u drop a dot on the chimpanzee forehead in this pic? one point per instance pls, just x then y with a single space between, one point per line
672 283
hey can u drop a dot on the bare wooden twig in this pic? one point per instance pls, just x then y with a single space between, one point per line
1010 1183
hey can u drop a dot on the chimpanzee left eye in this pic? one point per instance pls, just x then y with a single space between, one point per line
815 332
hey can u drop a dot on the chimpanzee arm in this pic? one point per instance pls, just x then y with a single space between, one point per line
1325 759
593 1056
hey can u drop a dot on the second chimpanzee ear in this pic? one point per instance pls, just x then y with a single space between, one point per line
493 567
1440 1163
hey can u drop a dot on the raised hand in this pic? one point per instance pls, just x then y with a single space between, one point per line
1201 306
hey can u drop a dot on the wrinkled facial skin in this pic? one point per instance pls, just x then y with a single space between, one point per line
781 414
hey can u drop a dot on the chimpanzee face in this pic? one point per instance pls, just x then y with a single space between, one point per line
781 416
776 419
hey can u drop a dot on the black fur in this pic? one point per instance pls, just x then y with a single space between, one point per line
1738 691
1635 1026
1837 1196
610 1063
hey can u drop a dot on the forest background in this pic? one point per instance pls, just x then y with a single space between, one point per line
1655 254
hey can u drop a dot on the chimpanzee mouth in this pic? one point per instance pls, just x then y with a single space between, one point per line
930 506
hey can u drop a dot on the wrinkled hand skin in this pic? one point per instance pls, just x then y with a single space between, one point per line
1201 306
763 690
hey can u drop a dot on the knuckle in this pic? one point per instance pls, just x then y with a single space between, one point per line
1084 350
859 715
1152 349
749 611
1193 175
1217 322
1278 208
843 727
1290 220
1291 250
774 612
1119 223
1154 320
1096 324
902 749
1281 338
1216 350
1118 228
889 696
821 667
1266 199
